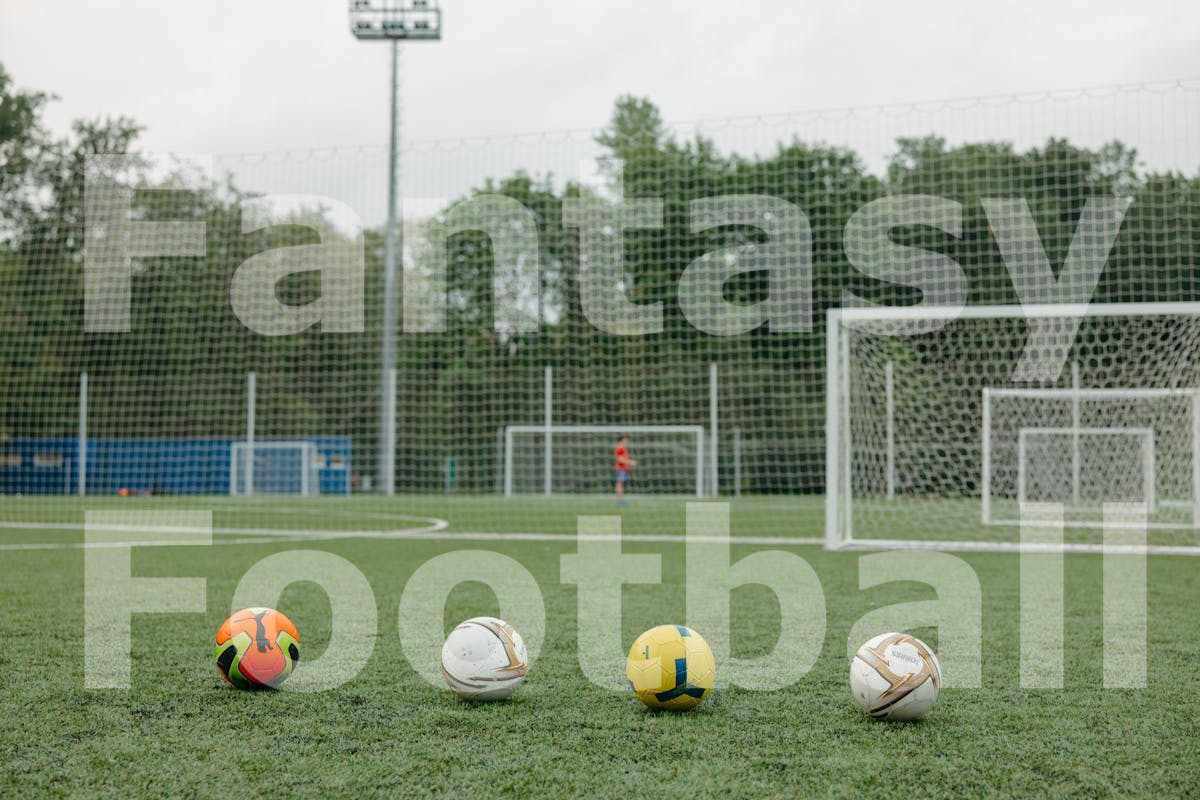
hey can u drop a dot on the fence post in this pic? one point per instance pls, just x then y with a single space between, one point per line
548 450
889 389
83 433
737 462
713 423
251 397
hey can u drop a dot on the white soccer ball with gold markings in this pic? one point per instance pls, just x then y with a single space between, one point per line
895 676
484 658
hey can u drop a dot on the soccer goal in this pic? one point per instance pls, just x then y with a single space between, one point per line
1120 468
273 468
940 422
1095 445
578 459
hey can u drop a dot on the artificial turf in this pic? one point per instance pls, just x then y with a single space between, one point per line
179 731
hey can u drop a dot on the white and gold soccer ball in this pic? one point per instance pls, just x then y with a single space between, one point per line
484 658
895 676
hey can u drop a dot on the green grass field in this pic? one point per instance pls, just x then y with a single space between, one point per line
179 731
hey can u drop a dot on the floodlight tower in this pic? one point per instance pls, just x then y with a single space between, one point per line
394 21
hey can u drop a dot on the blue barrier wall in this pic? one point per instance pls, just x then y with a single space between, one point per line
158 466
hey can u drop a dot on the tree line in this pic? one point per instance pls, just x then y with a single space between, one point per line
179 372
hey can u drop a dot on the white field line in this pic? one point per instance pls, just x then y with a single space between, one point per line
1095 525
431 525
1017 547
435 531
439 534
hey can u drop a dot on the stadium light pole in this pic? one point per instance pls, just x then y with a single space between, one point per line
373 20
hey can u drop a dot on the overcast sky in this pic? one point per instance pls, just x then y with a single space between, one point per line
264 75
253 76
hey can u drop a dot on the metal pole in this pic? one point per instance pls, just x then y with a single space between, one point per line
1148 472
889 388
548 449
83 432
1021 471
393 243
985 480
1196 459
737 462
1076 420
499 460
848 440
833 433
508 462
712 421
251 400
389 414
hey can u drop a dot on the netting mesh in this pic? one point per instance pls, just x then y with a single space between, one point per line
177 376
923 454
581 462
1112 464
1085 448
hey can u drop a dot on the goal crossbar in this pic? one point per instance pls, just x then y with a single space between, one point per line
1030 311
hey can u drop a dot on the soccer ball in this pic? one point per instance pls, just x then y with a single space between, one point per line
257 648
671 667
895 676
484 658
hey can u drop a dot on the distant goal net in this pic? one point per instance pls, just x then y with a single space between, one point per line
274 468
942 422
578 459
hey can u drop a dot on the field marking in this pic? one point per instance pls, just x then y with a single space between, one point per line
261 535
1018 547
431 524
435 532
485 536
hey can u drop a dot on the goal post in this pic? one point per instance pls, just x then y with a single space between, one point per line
671 458
258 467
924 409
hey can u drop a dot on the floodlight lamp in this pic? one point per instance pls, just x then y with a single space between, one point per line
409 20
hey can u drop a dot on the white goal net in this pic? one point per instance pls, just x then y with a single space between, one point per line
942 422
579 459
1113 465
1092 446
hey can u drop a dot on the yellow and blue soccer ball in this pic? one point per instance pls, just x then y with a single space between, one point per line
671 667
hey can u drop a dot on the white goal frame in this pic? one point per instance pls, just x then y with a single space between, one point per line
839 500
696 431
1076 396
241 461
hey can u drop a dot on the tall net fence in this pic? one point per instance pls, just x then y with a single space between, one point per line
176 377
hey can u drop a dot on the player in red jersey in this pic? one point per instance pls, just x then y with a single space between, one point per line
624 465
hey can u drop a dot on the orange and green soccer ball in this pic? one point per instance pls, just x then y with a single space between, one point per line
671 667
257 648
